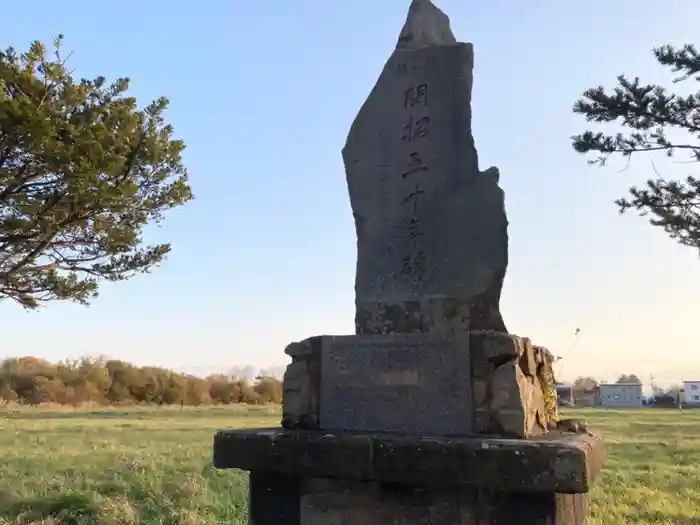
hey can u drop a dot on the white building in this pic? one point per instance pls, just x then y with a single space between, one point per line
620 395
691 392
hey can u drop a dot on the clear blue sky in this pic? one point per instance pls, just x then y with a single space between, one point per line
264 91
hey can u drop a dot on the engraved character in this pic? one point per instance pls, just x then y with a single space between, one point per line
415 165
422 127
414 229
415 129
413 196
415 96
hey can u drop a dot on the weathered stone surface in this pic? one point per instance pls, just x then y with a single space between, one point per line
545 373
375 504
437 383
517 401
511 385
307 452
425 26
370 503
301 385
290 500
555 462
273 498
416 384
430 226
528 363
519 508
578 426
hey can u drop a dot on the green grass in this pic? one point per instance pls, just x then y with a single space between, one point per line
121 467
153 466
652 467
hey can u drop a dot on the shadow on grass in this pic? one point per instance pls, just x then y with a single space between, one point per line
66 509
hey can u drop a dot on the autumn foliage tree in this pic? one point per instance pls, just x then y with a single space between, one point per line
653 120
33 381
82 171
584 384
629 378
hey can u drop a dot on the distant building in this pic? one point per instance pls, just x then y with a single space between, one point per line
691 393
620 395
565 394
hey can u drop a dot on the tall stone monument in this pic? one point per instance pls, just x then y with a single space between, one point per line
432 412
432 242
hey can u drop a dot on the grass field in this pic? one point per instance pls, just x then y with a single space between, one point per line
148 466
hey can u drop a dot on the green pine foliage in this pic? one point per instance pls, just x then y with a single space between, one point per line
82 171
653 120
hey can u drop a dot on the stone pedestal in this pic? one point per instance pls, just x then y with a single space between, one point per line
443 428
350 478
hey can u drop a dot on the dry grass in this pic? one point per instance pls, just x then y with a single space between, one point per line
153 466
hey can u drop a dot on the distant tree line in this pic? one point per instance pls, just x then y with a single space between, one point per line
587 384
33 381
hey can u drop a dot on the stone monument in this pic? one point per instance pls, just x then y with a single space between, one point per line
432 412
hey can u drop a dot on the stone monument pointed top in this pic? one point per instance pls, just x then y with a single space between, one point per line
426 25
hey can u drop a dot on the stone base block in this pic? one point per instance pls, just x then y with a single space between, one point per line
321 478
416 384
278 499
448 384
555 462
377 504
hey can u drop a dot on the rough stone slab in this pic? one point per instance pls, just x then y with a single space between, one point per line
417 384
425 26
301 385
513 384
429 223
307 452
556 462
